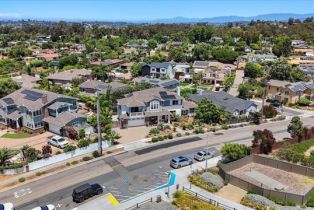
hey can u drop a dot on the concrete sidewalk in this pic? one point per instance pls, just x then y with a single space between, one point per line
109 202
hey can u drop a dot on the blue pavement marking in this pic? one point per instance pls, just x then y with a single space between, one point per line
125 181
172 178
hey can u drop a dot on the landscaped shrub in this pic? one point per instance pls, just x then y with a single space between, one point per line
74 162
87 158
282 202
310 200
196 180
161 138
187 133
69 148
199 130
247 202
304 102
225 126
170 136
190 126
154 131
178 135
58 152
96 154
22 179
295 153
155 139
269 111
83 143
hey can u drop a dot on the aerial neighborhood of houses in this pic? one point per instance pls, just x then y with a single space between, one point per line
77 89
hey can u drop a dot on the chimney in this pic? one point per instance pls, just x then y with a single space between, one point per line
44 99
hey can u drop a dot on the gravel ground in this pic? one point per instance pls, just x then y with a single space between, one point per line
295 183
158 206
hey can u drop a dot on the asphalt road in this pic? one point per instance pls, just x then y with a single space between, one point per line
127 174
123 182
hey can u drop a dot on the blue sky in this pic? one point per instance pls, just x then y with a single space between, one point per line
146 9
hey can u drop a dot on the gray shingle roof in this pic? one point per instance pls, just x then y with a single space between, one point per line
69 75
226 101
63 118
32 98
160 65
102 86
139 98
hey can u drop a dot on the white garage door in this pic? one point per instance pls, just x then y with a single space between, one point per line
54 129
136 122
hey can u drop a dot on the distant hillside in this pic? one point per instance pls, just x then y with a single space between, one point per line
225 19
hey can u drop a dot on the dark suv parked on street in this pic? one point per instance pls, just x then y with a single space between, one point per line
86 191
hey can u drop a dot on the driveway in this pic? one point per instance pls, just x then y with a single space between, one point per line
237 81
132 133
35 141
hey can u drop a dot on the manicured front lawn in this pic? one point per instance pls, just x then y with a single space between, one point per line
16 135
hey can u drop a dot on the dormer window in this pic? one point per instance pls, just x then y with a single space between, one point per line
153 69
163 70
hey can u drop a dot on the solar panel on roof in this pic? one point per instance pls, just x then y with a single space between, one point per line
31 95
8 101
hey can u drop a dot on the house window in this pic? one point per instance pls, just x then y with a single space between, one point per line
153 69
163 70
175 102
134 109
154 105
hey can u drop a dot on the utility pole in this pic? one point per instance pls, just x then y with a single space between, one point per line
98 125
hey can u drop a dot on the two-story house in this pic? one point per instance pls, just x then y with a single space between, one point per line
149 107
158 70
37 109
289 93
183 72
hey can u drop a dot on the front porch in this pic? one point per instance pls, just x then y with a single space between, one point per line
155 118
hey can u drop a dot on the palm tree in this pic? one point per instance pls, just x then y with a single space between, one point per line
5 154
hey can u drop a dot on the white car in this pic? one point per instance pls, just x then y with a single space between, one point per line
48 207
202 155
6 206
58 141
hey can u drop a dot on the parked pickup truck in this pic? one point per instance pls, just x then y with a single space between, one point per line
57 141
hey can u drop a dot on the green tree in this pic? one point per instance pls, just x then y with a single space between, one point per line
136 69
69 60
269 111
30 154
264 139
282 46
282 70
224 54
250 88
152 44
176 54
235 151
228 81
253 70
82 133
295 128
46 151
200 33
200 52
208 112
7 86
101 72
5 155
